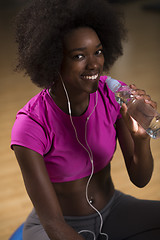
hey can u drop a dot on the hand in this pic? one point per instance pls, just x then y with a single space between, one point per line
135 129
141 94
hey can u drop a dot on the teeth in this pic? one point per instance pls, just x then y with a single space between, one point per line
91 77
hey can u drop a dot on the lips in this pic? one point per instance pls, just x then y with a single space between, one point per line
90 77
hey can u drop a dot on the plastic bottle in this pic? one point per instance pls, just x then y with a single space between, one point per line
142 112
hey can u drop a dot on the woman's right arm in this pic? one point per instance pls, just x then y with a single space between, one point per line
43 195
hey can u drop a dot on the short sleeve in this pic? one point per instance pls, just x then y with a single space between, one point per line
28 133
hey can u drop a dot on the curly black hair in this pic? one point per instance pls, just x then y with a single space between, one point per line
42 25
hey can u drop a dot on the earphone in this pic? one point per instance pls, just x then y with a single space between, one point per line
90 157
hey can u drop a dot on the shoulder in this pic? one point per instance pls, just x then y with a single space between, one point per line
103 82
104 89
32 127
109 97
36 106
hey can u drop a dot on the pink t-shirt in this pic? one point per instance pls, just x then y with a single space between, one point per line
43 127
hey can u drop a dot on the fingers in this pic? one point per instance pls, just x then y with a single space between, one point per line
141 94
130 122
137 91
123 109
152 103
124 113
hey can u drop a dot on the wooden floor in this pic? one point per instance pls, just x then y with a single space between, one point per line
140 65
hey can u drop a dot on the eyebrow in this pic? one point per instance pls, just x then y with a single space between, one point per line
83 48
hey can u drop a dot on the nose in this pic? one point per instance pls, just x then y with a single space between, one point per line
92 62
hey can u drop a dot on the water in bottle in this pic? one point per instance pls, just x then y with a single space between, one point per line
142 112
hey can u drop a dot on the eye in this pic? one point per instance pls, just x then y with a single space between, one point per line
78 57
99 52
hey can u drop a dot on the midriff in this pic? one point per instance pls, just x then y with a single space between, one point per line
72 195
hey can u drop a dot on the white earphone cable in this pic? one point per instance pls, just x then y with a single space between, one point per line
90 157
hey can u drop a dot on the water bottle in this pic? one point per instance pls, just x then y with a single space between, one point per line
142 112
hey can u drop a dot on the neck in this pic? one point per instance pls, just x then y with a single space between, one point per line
79 102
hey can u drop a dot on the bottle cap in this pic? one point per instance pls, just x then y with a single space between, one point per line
113 84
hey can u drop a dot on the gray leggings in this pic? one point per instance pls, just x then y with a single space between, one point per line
124 217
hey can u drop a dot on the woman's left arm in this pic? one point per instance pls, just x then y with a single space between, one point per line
135 144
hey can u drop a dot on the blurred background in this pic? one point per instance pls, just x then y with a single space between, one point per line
140 64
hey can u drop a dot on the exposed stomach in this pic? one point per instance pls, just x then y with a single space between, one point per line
72 195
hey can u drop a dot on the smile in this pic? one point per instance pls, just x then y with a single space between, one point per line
93 77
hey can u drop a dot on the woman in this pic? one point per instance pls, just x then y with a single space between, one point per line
64 138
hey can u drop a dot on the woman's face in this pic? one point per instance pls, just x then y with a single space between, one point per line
83 60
